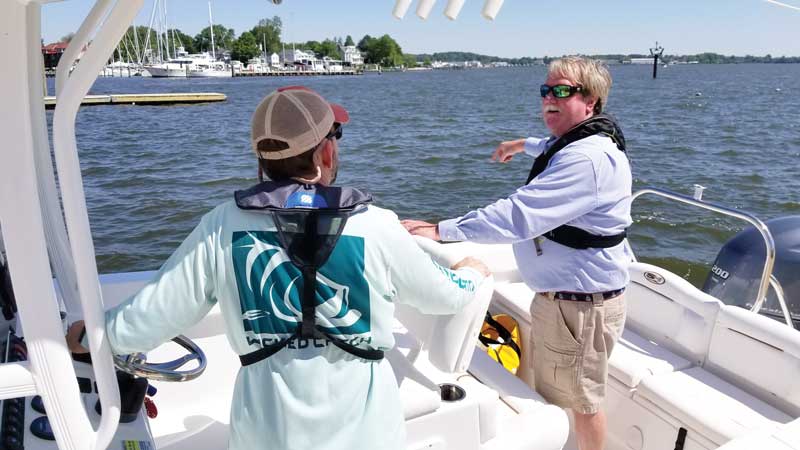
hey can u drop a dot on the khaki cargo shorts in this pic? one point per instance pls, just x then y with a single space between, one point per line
570 344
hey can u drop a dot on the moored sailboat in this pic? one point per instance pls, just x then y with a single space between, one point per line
215 68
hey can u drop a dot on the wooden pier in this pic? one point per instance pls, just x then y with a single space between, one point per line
145 99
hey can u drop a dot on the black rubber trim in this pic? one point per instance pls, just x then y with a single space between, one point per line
681 440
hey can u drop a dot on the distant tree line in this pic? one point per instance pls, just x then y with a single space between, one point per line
702 58
141 41
385 51
264 37
705 58
426 59
715 58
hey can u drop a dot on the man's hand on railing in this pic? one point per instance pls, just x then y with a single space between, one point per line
474 263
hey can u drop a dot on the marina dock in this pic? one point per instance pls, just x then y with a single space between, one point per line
293 73
145 99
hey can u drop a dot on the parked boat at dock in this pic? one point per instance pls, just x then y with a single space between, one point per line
181 65
217 69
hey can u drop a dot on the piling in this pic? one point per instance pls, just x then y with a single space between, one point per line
656 52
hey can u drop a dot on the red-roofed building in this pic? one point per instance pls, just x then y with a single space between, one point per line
52 53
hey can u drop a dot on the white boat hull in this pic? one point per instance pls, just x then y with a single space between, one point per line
209 73
120 72
167 72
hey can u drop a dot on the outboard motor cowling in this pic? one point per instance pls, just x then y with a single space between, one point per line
736 273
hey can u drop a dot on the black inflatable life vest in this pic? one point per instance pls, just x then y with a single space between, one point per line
309 220
567 235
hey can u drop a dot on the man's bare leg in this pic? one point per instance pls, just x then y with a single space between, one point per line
590 430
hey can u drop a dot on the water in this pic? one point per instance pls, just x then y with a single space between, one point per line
420 142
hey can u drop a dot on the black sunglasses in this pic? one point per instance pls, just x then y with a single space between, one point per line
559 90
336 132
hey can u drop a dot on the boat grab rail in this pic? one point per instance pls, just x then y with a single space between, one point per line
776 285
70 94
760 226
79 42
26 256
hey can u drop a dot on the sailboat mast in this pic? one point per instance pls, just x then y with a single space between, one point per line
166 29
211 24
166 22
147 44
136 44
159 37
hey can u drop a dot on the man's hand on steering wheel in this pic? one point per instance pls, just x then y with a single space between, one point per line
137 364
74 334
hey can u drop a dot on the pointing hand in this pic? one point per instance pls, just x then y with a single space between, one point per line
506 150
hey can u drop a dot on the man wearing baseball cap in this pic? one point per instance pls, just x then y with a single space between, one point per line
306 276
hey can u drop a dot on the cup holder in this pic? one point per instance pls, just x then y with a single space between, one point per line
451 392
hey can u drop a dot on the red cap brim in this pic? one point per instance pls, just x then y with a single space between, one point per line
340 114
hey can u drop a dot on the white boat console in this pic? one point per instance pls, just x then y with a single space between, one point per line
24 424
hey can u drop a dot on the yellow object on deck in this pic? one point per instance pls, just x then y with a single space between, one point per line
500 337
144 99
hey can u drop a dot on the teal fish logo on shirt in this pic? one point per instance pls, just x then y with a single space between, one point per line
270 288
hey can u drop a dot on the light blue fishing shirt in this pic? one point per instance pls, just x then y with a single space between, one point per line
315 397
586 185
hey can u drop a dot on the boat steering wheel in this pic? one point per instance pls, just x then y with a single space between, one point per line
136 364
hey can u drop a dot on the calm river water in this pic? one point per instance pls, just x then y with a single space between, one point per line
420 142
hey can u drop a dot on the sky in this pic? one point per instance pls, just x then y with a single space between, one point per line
522 28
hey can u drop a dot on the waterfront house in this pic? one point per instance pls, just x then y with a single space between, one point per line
275 60
302 60
351 56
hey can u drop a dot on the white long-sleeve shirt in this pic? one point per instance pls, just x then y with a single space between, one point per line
586 185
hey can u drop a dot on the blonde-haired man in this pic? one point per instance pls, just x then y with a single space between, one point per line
567 226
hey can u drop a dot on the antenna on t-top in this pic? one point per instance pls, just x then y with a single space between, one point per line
656 52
